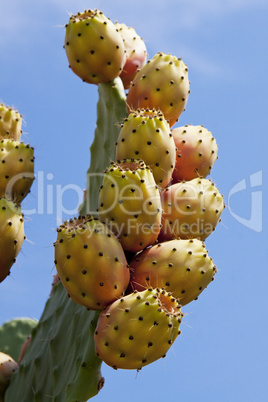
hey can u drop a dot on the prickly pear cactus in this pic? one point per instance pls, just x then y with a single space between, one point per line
66 328
13 334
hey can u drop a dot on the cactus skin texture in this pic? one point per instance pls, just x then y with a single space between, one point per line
196 152
146 134
90 262
66 328
182 267
11 235
136 53
191 209
129 203
161 84
8 366
13 335
137 329
10 123
16 169
94 48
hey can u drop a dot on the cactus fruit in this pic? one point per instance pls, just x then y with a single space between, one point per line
10 123
146 134
161 84
137 329
129 203
191 209
136 53
8 366
94 48
16 169
182 267
90 262
11 235
196 152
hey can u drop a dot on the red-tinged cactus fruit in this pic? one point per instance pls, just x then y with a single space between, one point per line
161 84
182 267
8 367
24 348
137 329
94 48
11 235
136 53
90 262
10 123
16 169
129 203
196 152
146 134
191 209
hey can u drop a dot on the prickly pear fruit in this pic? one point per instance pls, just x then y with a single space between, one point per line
137 329
24 347
146 134
191 209
182 267
161 84
196 152
16 169
129 203
8 366
136 53
94 48
10 123
90 262
11 235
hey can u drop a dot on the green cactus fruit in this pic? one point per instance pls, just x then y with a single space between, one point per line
136 53
196 152
11 235
13 335
191 209
94 48
90 262
8 366
10 123
161 84
146 134
137 329
129 203
16 169
182 267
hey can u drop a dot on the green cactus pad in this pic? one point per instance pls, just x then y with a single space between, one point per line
65 329
13 334
60 363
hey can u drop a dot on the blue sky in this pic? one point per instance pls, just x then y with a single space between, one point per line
222 352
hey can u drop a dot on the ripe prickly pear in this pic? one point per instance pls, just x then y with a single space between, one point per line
196 152
145 134
182 267
16 169
191 209
8 366
11 235
161 84
10 123
94 48
90 262
137 329
129 203
136 53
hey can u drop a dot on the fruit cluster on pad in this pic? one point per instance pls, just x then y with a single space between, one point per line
142 257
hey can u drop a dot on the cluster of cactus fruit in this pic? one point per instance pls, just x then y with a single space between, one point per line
131 263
